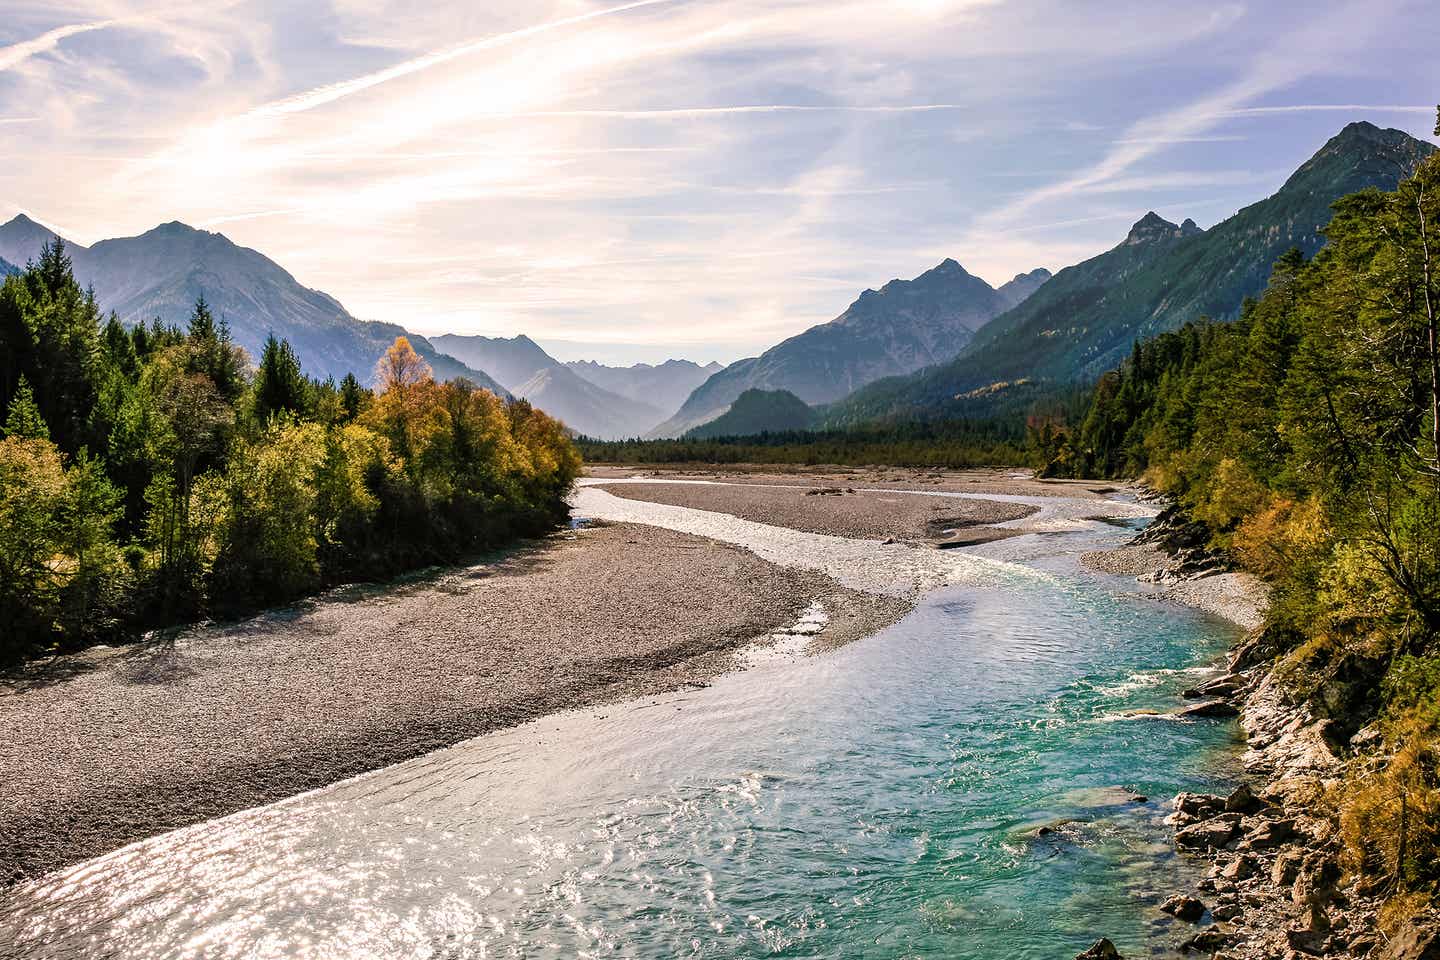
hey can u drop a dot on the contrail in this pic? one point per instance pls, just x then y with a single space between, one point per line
17 53
1319 107
336 91
683 112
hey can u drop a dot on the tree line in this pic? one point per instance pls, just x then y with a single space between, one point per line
942 444
1305 436
150 476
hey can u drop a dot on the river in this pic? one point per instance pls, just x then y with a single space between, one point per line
881 800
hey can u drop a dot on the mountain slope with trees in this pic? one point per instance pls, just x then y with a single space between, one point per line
1083 321
903 326
756 412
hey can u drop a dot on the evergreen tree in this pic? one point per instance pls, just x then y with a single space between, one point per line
201 327
279 385
352 398
23 419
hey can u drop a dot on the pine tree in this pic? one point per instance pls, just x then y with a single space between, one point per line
279 386
24 420
352 398
202 322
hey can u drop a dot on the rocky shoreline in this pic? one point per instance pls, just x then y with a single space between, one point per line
1275 889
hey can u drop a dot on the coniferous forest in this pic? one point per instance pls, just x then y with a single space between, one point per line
1305 437
150 476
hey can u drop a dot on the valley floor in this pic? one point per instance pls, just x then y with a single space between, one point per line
114 745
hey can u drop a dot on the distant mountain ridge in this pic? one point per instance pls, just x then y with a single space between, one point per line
664 385
1086 318
904 326
528 371
161 272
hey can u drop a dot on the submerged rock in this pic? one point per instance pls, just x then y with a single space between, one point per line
1101 949
1211 708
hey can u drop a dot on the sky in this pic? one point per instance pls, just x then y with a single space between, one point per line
628 181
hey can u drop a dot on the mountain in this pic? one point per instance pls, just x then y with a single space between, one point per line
1019 289
1084 320
161 272
528 371
758 411
512 361
21 240
7 268
664 385
903 326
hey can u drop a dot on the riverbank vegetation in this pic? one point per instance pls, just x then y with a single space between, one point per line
149 476
1306 437
947 444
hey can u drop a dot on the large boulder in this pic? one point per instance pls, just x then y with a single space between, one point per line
1184 908
1414 941
1241 800
1209 834
1190 807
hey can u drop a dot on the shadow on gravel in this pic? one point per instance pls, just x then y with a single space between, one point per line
158 656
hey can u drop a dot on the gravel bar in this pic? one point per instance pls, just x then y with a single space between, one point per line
115 745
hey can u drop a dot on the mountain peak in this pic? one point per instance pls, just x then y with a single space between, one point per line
947 267
1152 227
1360 155
21 239
1189 228
174 228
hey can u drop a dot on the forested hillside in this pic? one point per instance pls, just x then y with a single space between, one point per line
1083 321
149 476
1305 436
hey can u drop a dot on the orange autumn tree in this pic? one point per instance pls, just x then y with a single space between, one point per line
403 380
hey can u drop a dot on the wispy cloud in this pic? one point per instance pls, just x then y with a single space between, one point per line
18 53
336 91
1360 108
690 113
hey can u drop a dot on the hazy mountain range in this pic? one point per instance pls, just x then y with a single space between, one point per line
664 385
903 326
161 272
528 371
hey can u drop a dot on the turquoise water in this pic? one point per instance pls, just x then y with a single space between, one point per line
874 802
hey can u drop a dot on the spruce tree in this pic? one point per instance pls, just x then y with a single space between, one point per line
279 386
23 419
